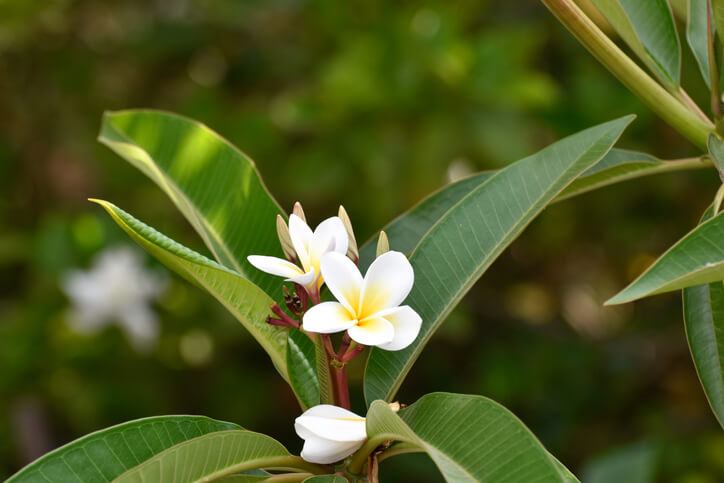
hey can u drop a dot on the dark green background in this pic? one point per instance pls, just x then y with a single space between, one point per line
368 104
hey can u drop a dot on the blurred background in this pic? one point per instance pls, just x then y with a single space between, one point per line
372 105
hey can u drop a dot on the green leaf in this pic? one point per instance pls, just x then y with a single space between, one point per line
216 186
634 463
302 368
213 456
717 8
697 36
647 26
470 438
466 240
704 324
696 259
716 150
326 479
247 302
105 454
405 231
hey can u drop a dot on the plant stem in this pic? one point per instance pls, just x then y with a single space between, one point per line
359 458
673 111
293 463
713 68
339 383
399 448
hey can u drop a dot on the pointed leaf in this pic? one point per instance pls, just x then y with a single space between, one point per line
704 322
469 237
247 302
697 36
470 438
105 454
405 231
717 8
647 26
696 259
216 186
214 456
302 368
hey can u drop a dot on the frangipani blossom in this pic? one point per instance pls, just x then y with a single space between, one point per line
330 433
118 289
368 309
329 236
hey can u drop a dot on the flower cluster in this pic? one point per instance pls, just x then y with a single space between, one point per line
367 309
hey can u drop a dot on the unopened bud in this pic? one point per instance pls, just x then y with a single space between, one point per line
383 244
395 406
352 250
299 211
285 240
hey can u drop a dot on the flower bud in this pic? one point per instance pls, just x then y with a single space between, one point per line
285 240
297 210
383 244
330 433
352 250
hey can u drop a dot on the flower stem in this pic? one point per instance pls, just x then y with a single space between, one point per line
669 108
339 384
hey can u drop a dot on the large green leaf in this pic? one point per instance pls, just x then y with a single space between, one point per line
704 323
105 454
697 35
302 368
215 456
696 259
247 302
216 186
618 165
470 438
647 26
466 240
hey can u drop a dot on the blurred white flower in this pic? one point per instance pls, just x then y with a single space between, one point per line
117 289
330 433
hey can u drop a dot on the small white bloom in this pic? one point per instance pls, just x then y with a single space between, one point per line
368 309
330 433
330 235
117 289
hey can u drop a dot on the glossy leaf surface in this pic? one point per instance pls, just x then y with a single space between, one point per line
466 240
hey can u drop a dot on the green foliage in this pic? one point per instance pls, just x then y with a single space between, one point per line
213 456
216 186
466 240
243 299
470 438
106 454
302 368
697 35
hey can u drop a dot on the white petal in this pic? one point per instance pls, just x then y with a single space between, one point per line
327 318
343 279
332 423
330 235
322 451
387 283
301 236
275 266
372 331
305 280
407 324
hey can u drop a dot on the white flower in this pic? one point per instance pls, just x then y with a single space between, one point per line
330 235
368 309
330 433
117 289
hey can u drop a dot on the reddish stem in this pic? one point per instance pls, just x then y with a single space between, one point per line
283 316
353 353
339 383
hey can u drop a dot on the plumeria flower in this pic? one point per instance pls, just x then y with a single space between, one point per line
368 309
118 289
329 236
330 433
